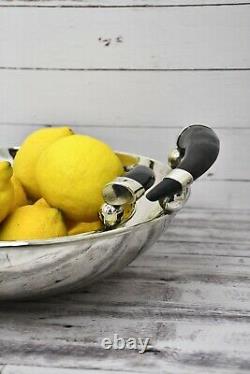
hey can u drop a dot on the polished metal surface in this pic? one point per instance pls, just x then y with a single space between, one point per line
111 215
182 176
122 191
37 268
170 206
174 158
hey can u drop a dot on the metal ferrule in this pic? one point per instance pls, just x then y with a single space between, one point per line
122 191
170 206
174 158
181 176
111 215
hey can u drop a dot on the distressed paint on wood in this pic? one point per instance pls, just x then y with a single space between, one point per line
14 369
190 293
104 39
223 226
191 299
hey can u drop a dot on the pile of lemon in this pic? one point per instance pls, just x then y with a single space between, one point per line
55 185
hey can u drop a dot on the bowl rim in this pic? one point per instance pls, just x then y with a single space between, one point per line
91 234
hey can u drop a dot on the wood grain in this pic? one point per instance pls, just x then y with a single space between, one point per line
14 369
189 294
178 38
225 227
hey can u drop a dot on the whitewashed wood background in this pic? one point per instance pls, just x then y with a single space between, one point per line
133 73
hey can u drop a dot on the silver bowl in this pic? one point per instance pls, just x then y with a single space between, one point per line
38 268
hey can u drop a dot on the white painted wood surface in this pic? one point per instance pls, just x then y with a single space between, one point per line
218 188
179 62
154 38
168 99
189 294
160 141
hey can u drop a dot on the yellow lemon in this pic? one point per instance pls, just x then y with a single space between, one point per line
6 189
72 172
28 154
81 227
20 198
42 202
33 222
127 160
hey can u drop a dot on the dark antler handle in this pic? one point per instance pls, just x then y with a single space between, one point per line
199 147
143 175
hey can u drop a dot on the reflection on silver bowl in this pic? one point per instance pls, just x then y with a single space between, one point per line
31 269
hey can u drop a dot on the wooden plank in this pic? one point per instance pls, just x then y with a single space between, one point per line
178 38
14 369
166 99
184 345
220 194
157 143
178 369
207 226
165 285
226 185
120 3
191 300
195 317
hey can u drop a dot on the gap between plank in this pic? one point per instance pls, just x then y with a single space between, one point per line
26 68
103 126
121 6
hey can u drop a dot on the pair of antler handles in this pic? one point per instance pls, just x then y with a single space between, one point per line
197 149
